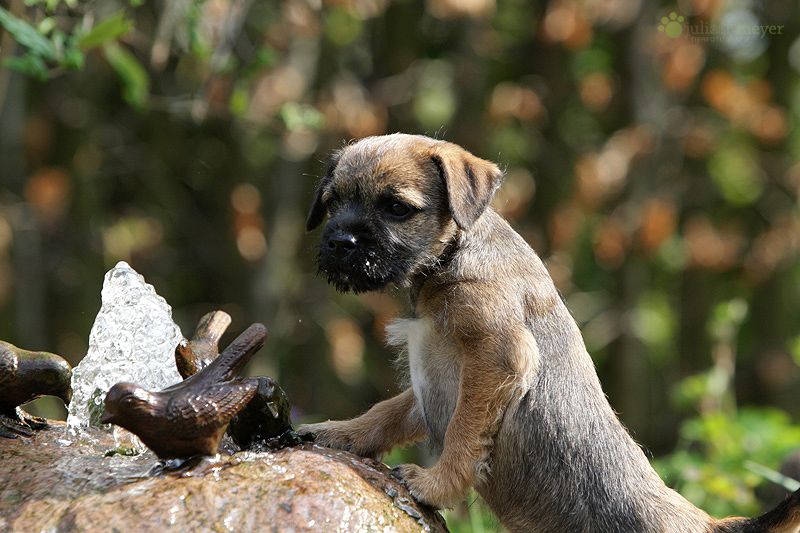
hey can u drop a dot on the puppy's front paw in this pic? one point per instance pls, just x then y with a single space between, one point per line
306 433
328 434
338 434
427 486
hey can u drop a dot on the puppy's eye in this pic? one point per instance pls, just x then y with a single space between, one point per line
128 401
399 210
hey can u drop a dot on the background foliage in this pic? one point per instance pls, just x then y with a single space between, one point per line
649 160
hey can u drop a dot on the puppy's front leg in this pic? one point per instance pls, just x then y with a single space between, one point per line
386 424
492 376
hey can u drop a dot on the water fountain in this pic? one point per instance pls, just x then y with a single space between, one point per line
73 478
133 339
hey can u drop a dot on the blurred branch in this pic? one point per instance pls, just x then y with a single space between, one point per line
231 30
174 12
774 476
7 47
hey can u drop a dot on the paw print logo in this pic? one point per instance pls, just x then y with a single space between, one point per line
672 25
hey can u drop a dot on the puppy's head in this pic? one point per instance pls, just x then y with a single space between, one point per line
394 203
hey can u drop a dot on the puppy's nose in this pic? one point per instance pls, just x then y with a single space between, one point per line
341 243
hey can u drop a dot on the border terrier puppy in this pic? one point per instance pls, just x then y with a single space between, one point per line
500 377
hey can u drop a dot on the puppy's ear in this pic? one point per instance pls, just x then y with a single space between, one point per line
469 180
317 212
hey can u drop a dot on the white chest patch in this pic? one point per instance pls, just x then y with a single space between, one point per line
434 365
412 335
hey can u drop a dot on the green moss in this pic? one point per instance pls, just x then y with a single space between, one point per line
13 497
122 450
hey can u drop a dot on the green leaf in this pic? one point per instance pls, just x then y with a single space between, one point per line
590 61
794 349
134 77
239 101
735 169
73 59
47 25
261 61
342 27
30 65
298 117
27 36
106 30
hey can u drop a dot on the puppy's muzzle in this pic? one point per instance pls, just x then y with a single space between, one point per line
353 259
341 244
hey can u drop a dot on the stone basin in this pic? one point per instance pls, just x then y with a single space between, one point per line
45 486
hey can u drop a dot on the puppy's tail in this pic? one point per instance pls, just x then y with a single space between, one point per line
784 518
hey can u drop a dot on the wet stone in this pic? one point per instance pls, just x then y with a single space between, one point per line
45 486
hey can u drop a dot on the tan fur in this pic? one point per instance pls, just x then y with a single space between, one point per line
500 377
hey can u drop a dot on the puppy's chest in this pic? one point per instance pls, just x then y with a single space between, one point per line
434 365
